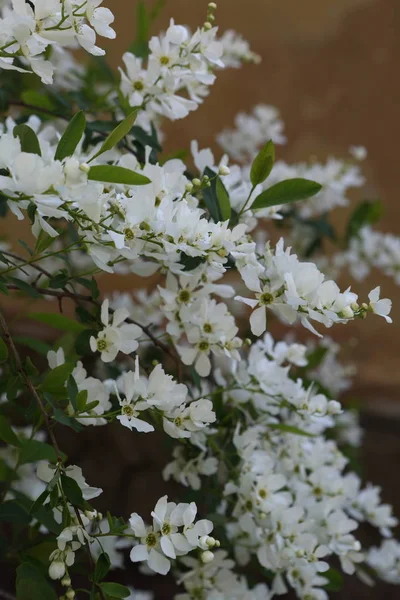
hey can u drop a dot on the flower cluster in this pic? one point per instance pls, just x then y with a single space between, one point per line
29 30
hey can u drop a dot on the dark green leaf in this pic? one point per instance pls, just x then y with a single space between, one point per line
103 565
115 590
64 419
56 378
116 174
210 197
3 351
38 503
335 579
118 134
73 391
223 200
82 342
33 451
43 242
289 429
287 191
13 512
32 343
28 138
25 287
71 136
81 400
366 213
58 321
7 434
37 100
72 491
31 584
262 164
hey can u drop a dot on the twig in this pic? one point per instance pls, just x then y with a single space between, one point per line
89 553
56 293
11 346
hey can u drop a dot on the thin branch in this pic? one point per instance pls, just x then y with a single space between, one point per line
55 293
89 553
13 350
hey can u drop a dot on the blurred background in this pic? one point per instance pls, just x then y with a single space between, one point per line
332 69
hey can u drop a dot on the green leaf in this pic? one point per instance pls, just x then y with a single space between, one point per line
33 450
262 164
64 419
58 321
38 503
3 351
335 579
287 191
81 400
115 590
28 138
43 242
116 174
40 553
366 213
25 287
121 130
73 391
290 429
55 379
140 46
37 100
7 434
31 584
103 565
72 491
71 136
210 196
223 200
13 512
33 344
82 342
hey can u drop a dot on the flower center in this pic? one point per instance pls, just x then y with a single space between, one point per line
178 421
184 296
166 529
151 540
262 494
138 85
208 328
203 346
129 233
164 60
266 298
101 345
127 410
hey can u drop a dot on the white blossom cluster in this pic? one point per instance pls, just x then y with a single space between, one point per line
29 30
371 249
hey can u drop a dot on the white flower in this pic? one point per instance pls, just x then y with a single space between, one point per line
115 337
131 405
380 307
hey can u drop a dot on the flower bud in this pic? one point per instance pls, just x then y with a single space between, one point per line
66 581
207 557
70 594
212 5
196 182
354 306
207 25
347 312
189 186
224 170
84 167
57 570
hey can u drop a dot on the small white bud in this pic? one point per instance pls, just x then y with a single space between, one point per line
207 557
56 570
212 5
70 594
196 182
355 307
189 186
207 25
224 170
84 167
347 312
66 581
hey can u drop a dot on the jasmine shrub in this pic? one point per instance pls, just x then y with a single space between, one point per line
261 443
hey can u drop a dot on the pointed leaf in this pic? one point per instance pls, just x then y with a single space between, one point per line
58 321
32 584
28 138
118 134
223 200
71 136
287 191
7 434
116 174
262 164
115 590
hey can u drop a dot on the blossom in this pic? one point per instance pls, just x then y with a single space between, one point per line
116 336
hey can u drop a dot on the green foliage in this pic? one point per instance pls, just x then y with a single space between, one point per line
224 204
7 434
115 590
366 213
3 351
117 134
54 381
28 138
103 566
116 174
31 584
58 321
33 451
262 164
71 136
285 192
